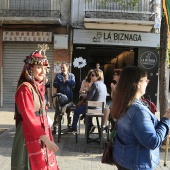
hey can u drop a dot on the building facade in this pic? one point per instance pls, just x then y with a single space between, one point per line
23 25
81 32
117 35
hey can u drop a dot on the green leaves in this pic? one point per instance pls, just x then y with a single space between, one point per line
134 2
122 3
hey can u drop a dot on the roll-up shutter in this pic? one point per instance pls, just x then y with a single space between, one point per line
13 55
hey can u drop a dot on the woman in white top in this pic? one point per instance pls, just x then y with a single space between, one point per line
86 83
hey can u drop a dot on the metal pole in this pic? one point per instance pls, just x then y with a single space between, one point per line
80 75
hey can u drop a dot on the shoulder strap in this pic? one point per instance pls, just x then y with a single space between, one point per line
29 86
24 83
35 93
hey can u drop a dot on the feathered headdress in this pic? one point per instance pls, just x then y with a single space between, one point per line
36 58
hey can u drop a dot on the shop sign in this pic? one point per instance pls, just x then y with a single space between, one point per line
148 60
102 37
27 36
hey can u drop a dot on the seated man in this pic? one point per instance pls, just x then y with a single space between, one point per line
97 92
64 83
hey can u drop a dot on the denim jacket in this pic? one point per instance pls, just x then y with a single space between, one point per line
139 137
65 87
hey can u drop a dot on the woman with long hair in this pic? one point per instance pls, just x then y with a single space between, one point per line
139 132
86 83
97 92
33 146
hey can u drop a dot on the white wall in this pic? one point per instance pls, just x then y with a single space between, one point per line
65 11
77 10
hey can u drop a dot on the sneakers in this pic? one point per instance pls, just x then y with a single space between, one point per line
91 128
71 130
106 128
69 126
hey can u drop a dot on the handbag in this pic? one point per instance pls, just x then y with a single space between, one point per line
107 157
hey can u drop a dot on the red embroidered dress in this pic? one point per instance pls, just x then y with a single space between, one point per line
35 156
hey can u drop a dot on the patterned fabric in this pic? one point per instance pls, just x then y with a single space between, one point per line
35 58
34 124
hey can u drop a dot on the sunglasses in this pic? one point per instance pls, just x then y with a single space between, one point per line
147 81
93 75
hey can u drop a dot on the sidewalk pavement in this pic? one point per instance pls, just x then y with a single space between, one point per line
71 155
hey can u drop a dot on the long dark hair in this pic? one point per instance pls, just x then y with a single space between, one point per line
88 77
126 90
117 71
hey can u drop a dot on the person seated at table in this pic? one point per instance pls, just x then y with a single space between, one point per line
116 76
86 84
97 92
64 83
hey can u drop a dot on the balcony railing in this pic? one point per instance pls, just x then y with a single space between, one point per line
112 9
29 8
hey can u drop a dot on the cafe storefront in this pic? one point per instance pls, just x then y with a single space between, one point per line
115 49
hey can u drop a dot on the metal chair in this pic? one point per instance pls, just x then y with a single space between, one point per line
94 109
59 111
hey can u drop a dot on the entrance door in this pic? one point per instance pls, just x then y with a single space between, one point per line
108 57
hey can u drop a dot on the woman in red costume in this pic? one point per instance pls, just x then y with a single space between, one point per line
33 146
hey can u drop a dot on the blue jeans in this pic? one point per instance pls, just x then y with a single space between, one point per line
79 110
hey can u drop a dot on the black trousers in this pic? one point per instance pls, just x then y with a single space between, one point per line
57 112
